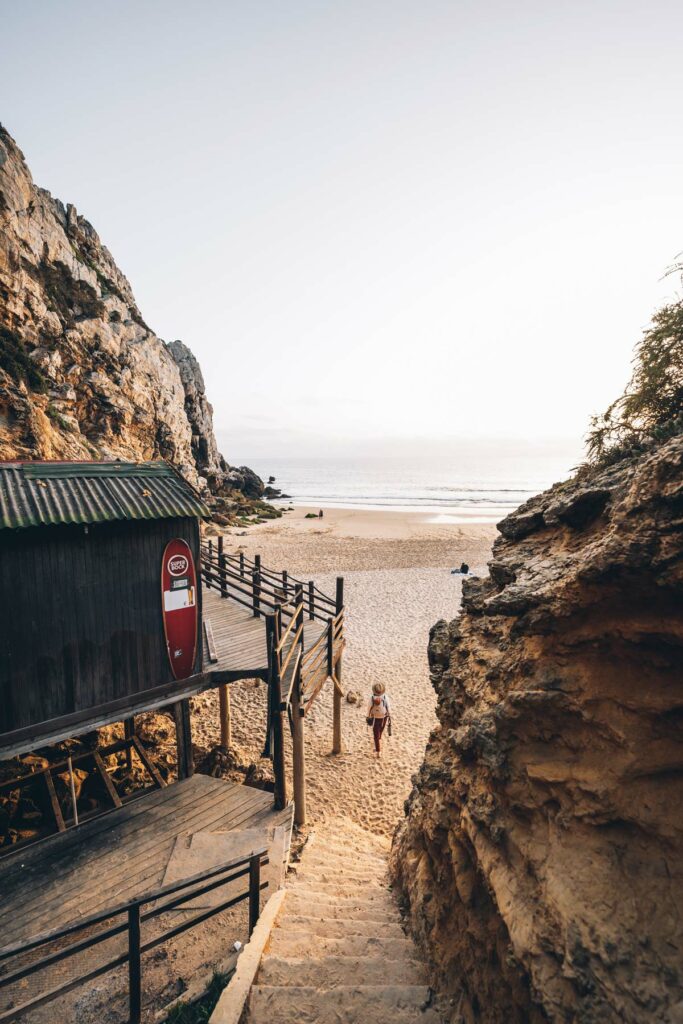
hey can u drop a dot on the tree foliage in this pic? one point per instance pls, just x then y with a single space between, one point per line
651 407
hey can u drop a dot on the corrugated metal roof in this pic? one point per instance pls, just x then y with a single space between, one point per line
47 493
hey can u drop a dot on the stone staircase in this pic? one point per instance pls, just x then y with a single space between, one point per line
338 953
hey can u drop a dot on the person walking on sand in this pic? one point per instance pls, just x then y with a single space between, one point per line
379 714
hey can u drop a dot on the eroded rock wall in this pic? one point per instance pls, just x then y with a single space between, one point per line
81 374
541 857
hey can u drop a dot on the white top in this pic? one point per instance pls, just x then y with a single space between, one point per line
381 709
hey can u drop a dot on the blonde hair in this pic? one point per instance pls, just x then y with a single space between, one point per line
378 688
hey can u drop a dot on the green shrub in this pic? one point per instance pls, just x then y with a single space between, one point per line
200 1011
651 407
14 360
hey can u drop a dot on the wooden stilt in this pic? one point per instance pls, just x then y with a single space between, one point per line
337 696
226 723
128 733
183 731
298 754
278 730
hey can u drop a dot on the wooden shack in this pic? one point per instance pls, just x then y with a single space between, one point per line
82 639
97 561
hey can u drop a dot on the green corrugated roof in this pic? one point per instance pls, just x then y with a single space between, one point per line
48 493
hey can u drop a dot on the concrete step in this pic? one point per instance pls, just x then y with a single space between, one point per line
347 849
301 944
338 928
357 1004
340 876
365 858
333 971
336 886
322 904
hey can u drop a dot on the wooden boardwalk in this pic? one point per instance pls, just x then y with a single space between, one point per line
120 854
240 638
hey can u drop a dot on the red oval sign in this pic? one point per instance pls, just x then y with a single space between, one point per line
179 606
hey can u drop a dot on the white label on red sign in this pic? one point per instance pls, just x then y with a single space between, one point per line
177 565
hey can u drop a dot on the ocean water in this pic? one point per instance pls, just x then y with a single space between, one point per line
481 487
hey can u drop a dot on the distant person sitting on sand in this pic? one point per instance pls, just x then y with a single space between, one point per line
379 714
320 514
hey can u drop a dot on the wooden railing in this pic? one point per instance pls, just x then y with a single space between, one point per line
255 586
132 918
296 672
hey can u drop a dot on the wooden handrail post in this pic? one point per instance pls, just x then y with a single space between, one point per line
299 603
278 637
222 569
330 647
275 685
337 672
311 600
254 892
208 568
242 564
298 752
285 584
340 594
134 968
256 592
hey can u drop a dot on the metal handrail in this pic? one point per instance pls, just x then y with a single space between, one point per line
208 880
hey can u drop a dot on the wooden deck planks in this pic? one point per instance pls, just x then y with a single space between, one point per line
142 853
88 870
239 637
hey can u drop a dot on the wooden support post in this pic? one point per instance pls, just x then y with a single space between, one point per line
242 564
73 790
134 967
311 600
226 723
298 753
128 733
150 767
276 716
183 732
285 585
254 892
222 566
56 809
337 697
299 603
210 567
256 586
106 779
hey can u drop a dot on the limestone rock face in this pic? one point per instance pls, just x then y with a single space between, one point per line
541 856
81 374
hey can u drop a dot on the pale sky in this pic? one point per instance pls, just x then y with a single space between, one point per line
371 220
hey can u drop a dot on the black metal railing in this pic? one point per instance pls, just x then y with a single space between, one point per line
132 920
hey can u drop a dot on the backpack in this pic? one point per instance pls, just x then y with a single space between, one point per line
379 707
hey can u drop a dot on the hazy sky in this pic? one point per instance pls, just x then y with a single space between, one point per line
371 220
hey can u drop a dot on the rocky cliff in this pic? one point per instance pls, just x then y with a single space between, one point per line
541 857
81 374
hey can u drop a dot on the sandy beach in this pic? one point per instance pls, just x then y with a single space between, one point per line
398 582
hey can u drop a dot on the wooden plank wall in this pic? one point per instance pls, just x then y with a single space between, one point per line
80 621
